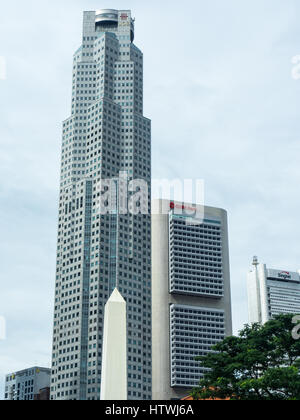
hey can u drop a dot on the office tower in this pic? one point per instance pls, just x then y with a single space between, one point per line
26 384
191 300
271 292
105 135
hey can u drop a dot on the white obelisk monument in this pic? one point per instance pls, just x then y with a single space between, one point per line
114 354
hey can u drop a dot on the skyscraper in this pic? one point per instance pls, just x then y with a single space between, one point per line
271 292
105 135
191 299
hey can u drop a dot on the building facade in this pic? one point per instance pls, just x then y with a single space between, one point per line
105 135
191 299
43 395
271 292
27 384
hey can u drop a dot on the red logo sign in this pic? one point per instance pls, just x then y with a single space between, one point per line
124 16
284 275
181 207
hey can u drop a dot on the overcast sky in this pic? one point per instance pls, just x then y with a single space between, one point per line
224 108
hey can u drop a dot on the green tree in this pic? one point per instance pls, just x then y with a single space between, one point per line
262 363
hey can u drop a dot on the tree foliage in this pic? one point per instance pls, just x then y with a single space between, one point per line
262 363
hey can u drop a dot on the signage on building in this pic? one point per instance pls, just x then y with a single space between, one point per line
124 20
283 275
193 215
174 206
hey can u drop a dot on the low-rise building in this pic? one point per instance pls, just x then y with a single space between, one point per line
27 384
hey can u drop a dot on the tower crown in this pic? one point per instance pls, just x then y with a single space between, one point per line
106 19
107 15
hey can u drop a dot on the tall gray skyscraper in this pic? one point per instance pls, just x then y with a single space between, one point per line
106 133
191 298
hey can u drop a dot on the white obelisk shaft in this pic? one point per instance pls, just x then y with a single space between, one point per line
114 354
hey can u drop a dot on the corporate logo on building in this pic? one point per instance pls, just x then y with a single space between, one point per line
124 19
183 207
193 215
285 275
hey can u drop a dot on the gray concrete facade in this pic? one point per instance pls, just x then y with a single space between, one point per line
171 363
24 385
